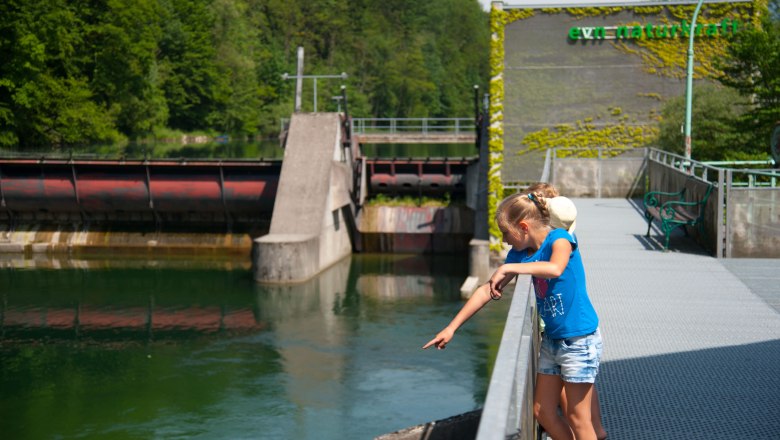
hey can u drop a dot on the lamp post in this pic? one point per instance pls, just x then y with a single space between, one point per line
689 83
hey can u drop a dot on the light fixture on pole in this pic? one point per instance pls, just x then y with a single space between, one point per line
338 100
689 83
343 75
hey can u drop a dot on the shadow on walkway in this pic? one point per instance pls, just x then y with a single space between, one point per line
719 393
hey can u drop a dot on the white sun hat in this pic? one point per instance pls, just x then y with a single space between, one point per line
563 213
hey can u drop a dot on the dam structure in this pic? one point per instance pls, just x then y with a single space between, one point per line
293 216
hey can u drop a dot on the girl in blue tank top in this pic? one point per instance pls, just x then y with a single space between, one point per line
571 343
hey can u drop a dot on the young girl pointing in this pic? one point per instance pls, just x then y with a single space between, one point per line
571 344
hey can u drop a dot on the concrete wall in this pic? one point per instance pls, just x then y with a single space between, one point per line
621 176
35 239
415 229
753 222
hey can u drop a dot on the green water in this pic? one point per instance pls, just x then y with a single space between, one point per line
125 349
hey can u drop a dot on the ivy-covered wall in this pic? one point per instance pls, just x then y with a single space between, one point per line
602 84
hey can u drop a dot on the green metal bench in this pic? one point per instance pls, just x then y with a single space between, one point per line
673 211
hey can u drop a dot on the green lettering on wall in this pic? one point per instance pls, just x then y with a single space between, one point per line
686 28
651 31
649 28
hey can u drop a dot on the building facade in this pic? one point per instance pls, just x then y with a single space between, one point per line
592 74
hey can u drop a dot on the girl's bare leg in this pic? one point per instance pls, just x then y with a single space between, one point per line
546 400
595 410
578 409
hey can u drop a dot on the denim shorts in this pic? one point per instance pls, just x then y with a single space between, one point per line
575 359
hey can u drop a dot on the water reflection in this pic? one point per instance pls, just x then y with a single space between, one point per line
121 349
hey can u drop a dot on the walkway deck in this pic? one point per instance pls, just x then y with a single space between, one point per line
692 343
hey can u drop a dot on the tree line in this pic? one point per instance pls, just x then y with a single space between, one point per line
82 72
79 72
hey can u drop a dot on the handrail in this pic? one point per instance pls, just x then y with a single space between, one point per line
413 125
683 164
752 179
547 166
508 409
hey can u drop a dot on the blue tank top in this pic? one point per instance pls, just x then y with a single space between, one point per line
562 302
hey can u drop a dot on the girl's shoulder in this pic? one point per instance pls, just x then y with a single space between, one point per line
557 234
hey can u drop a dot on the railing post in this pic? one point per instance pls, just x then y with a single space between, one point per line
729 211
599 183
720 218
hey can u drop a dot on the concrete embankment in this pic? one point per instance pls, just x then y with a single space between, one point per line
56 241
402 229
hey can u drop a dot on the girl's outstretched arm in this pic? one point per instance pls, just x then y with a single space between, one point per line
561 251
478 300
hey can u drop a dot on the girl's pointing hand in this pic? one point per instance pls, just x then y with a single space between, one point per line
441 340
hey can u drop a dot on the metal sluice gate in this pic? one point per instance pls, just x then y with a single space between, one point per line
418 176
186 192
174 191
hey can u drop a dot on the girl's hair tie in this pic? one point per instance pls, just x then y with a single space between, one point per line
530 196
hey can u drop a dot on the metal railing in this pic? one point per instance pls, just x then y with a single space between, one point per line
508 409
515 186
413 126
738 210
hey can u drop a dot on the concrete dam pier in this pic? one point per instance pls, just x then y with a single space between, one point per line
313 218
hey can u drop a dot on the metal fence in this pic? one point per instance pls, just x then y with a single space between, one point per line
742 216
413 125
508 409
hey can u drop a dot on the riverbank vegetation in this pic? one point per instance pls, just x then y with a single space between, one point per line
84 72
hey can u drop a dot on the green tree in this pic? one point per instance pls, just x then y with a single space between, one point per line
714 115
752 67
237 96
124 37
189 76
84 71
45 100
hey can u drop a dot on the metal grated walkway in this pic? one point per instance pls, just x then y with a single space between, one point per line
690 351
